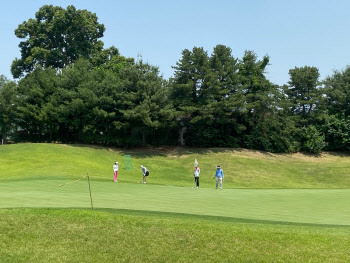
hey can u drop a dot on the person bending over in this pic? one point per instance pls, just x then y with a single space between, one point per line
145 174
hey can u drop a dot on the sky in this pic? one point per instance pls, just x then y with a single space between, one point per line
293 33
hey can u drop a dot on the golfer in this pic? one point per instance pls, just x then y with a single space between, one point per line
145 174
115 169
219 176
197 171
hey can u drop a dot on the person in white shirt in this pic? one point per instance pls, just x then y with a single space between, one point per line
145 174
115 169
196 176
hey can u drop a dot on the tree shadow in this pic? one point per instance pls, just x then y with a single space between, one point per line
321 154
213 218
179 151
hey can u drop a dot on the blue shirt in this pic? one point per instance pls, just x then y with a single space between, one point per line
219 173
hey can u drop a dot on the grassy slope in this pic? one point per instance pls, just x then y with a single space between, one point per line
33 171
242 168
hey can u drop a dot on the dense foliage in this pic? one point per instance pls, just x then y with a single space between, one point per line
73 90
56 38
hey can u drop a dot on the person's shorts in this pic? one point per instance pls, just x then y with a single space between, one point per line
146 174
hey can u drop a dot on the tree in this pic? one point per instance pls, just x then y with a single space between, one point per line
261 102
57 37
258 91
337 133
7 107
313 140
303 91
337 89
207 96
146 105
36 105
188 88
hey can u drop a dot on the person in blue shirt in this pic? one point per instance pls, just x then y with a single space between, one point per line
219 176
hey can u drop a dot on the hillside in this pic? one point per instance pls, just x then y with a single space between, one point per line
174 165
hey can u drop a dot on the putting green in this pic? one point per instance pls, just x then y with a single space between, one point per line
310 206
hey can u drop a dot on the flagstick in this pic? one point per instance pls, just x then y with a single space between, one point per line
92 207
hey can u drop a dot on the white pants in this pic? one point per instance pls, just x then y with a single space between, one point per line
217 182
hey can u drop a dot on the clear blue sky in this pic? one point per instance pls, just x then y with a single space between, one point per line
292 33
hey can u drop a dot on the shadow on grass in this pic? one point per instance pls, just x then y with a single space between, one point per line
178 151
160 214
163 151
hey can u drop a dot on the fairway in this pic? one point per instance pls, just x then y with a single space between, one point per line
321 198
282 205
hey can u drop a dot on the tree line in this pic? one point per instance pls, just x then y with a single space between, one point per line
71 89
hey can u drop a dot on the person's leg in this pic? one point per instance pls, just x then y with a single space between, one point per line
217 181
115 176
220 182
146 179
198 182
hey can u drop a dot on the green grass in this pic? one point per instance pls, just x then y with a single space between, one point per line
33 235
281 205
174 166
274 207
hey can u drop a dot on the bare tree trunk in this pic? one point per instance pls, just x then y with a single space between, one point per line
181 139
4 140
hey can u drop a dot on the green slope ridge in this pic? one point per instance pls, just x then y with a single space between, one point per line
174 166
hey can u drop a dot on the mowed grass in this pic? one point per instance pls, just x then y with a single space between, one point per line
47 235
274 207
278 205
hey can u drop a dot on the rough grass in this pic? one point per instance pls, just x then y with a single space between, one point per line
46 235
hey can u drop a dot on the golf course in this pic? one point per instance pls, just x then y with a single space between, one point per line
273 207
